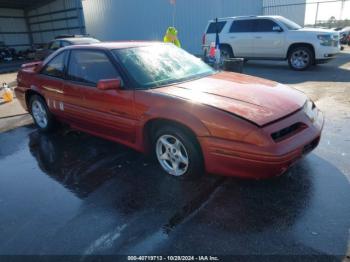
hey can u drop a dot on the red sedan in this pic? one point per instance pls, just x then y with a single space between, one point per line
159 99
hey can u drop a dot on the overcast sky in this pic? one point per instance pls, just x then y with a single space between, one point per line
326 10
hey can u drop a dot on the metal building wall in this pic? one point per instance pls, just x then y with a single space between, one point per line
147 20
292 9
13 29
56 18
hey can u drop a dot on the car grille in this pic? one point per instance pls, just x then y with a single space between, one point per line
287 132
335 40
335 43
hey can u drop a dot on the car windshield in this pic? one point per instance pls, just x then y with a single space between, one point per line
289 24
161 64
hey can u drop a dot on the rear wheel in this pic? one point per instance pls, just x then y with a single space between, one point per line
225 53
178 152
300 58
42 117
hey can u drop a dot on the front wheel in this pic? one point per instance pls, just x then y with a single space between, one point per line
300 58
178 152
41 114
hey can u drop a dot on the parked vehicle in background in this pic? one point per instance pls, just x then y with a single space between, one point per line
62 41
7 54
345 36
157 98
272 38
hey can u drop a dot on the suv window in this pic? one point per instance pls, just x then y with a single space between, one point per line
242 26
55 45
65 43
264 25
90 66
212 27
55 67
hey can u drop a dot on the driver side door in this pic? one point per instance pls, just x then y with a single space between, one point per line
109 113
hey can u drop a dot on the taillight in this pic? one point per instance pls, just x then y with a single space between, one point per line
203 39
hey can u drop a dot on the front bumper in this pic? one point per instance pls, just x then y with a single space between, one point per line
232 158
324 54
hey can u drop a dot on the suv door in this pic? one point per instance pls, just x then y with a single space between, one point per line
109 113
269 39
240 37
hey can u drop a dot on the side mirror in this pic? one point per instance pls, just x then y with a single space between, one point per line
109 84
277 29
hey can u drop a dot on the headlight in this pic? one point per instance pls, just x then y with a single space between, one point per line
310 110
325 40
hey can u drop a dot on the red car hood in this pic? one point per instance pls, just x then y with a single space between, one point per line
255 99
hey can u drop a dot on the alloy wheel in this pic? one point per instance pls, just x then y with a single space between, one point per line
300 59
39 114
172 155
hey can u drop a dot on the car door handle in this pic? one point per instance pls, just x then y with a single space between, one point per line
232 37
258 37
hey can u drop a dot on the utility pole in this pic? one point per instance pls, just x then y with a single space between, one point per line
342 10
318 3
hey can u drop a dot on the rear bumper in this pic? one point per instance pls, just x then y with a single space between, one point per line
231 158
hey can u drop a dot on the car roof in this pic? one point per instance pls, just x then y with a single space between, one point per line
116 45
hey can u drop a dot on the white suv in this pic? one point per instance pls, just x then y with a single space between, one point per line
272 38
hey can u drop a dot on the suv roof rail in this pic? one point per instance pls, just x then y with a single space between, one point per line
70 36
244 16
233 17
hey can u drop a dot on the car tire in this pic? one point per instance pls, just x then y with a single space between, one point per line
225 53
172 147
41 114
300 58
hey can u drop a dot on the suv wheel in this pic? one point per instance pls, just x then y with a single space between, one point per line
300 58
41 114
225 53
178 153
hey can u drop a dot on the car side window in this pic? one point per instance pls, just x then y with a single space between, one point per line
216 26
55 67
242 26
264 25
65 43
55 45
90 66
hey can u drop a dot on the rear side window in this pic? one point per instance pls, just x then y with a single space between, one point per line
242 26
216 26
55 45
89 67
65 43
55 67
265 25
